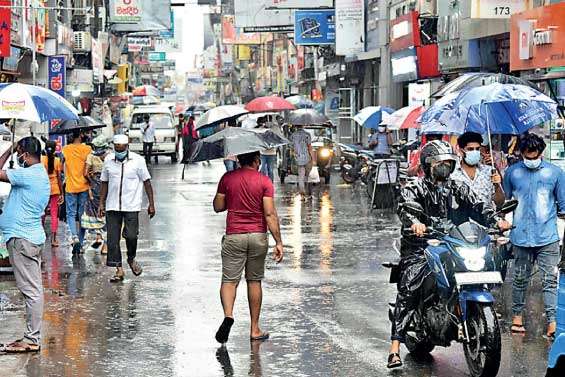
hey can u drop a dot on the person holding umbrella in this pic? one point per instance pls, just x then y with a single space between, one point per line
189 136
304 154
54 169
380 141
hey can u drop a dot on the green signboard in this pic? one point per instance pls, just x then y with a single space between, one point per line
157 56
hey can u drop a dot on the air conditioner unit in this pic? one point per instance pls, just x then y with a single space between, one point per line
83 41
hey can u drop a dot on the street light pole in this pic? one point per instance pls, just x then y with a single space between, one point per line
33 52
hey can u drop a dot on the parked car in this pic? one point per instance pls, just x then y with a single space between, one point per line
165 131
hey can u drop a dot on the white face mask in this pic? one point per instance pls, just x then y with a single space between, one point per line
382 129
532 164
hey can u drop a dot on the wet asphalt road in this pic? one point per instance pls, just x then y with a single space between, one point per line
325 305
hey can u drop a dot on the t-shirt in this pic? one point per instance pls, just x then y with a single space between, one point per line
382 146
300 141
75 160
57 169
245 189
26 204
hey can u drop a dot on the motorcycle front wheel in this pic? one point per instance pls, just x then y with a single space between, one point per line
420 349
482 352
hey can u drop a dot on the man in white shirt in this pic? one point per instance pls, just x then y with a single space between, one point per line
148 131
124 177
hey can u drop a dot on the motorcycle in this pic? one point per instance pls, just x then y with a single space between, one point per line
455 302
354 163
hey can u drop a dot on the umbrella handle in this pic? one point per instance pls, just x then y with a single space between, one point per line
13 128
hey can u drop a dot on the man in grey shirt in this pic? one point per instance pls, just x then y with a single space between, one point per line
304 154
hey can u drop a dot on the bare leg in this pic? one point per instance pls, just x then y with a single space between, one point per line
255 297
227 295
395 346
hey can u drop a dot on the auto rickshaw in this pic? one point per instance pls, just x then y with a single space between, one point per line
322 144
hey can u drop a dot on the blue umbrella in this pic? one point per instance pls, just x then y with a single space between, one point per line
372 116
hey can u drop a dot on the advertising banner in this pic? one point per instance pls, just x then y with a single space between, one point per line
314 27
57 74
171 32
350 27
155 16
299 4
97 61
498 8
157 56
5 28
136 44
232 35
253 17
125 11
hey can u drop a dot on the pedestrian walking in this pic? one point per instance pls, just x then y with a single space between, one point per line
304 154
54 168
91 219
76 186
123 179
269 156
539 187
148 131
484 182
247 195
180 126
21 226
380 141
189 136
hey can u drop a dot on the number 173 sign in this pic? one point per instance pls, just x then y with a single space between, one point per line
498 8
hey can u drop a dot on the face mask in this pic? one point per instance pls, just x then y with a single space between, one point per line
441 172
120 156
532 164
382 129
472 158
22 162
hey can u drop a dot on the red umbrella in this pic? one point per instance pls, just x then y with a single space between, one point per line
269 103
404 118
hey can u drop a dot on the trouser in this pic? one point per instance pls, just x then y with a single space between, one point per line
524 257
25 258
414 271
230 165
115 220
147 151
53 212
75 208
268 165
303 174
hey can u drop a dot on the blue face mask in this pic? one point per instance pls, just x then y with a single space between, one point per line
472 158
120 156
532 164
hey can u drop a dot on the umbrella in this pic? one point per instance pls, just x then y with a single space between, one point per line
146 90
33 103
436 118
219 114
372 116
301 102
475 79
84 123
404 118
234 141
307 117
269 103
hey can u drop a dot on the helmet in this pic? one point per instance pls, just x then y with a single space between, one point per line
435 151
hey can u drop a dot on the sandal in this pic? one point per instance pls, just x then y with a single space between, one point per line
260 338
135 267
394 360
19 346
517 328
223 332
117 277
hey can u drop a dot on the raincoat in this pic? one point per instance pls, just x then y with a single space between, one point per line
452 200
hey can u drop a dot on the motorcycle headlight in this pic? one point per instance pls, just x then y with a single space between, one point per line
325 153
473 258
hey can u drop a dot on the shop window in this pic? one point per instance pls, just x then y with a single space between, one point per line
428 30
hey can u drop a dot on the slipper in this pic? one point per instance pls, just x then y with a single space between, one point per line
260 338
517 329
223 332
135 267
394 360
117 278
19 346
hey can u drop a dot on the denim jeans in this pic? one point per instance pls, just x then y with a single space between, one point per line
230 165
75 208
268 165
547 257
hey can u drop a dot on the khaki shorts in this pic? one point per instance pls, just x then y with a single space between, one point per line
247 250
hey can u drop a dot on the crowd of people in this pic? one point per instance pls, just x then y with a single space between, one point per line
100 190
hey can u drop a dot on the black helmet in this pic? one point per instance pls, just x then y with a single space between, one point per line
434 151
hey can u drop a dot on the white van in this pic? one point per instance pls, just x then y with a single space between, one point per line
165 131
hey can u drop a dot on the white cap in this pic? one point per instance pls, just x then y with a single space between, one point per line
121 139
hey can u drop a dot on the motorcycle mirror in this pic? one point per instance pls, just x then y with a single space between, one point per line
509 206
414 208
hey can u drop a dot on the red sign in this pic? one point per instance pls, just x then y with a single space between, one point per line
404 32
427 61
5 27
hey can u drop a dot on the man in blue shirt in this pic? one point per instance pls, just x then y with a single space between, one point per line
24 235
539 187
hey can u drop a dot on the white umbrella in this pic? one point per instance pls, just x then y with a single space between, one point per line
220 114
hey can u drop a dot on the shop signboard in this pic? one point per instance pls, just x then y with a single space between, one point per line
157 56
232 35
537 38
136 44
419 93
153 15
253 16
404 65
125 11
11 63
350 27
65 40
170 33
314 27
299 4
498 8
5 28
372 25
57 74
97 61
151 68
404 32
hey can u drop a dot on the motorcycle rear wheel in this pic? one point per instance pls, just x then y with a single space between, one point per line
482 352
347 178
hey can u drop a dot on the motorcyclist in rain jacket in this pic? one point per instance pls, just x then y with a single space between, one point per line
441 198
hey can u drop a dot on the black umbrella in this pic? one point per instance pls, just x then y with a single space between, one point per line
307 117
84 123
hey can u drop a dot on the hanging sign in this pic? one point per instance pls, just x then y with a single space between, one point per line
314 27
5 28
57 72
125 11
350 27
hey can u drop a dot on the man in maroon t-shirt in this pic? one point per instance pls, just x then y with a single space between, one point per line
247 195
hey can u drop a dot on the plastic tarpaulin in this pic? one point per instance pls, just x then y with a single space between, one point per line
155 16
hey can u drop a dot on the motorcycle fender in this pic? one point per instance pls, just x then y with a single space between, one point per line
473 296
